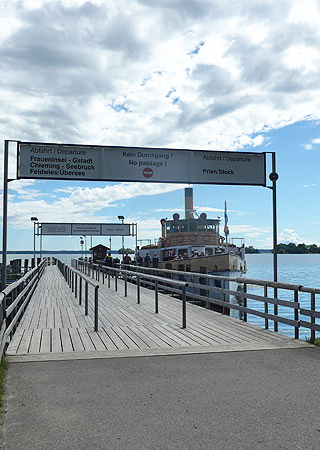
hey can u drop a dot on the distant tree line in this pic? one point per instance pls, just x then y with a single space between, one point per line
300 248
251 249
126 250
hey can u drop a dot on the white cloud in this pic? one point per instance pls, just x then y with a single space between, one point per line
289 235
286 236
197 209
82 204
174 73
169 73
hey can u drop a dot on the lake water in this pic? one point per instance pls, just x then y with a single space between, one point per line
296 269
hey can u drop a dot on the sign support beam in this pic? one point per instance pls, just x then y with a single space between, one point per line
5 214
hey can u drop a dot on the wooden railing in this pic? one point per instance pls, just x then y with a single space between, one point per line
14 300
202 286
157 283
79 284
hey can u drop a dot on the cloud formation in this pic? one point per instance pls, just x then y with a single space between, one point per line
173 73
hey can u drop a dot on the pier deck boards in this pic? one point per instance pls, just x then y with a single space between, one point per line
55 327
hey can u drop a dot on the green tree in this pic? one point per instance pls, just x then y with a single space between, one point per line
126 250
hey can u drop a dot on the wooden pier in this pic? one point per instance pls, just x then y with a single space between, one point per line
54 326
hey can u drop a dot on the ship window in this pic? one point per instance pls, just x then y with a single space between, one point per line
183 227
209 251
182 251
193 226
217 283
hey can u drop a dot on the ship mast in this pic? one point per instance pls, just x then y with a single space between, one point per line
188 203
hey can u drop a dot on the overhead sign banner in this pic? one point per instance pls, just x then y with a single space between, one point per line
158 165
56 229
85 229
115 230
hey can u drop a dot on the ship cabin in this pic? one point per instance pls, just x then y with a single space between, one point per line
181 238
194 241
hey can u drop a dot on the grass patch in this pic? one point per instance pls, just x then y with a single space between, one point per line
316 341
3 372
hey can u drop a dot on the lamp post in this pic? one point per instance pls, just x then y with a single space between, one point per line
122 221
81 243
34 220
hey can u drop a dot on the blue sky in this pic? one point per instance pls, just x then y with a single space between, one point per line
174 74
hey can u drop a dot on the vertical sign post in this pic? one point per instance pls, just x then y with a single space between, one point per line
5 214
274 177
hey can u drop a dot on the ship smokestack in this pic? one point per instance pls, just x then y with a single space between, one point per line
163 228
188 202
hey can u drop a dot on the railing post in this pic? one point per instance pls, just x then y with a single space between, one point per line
266 309
313 320
296 314
76 285
156 297
72 280
223 284
108 278
80 290
125 285
96 308
275 310
245 303
116 282
138 289
86 308
103 275
184 308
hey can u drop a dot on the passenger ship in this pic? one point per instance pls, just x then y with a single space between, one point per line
194 244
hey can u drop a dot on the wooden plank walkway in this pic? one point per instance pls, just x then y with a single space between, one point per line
54 326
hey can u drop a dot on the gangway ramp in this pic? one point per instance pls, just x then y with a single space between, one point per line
54 326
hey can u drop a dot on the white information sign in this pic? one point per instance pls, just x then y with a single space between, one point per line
140 164
85 229
59 162
111 229
56 228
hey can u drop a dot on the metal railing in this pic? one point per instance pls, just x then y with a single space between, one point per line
14 300
199 288
97 271
79 284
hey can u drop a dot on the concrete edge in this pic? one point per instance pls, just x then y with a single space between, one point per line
107 354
